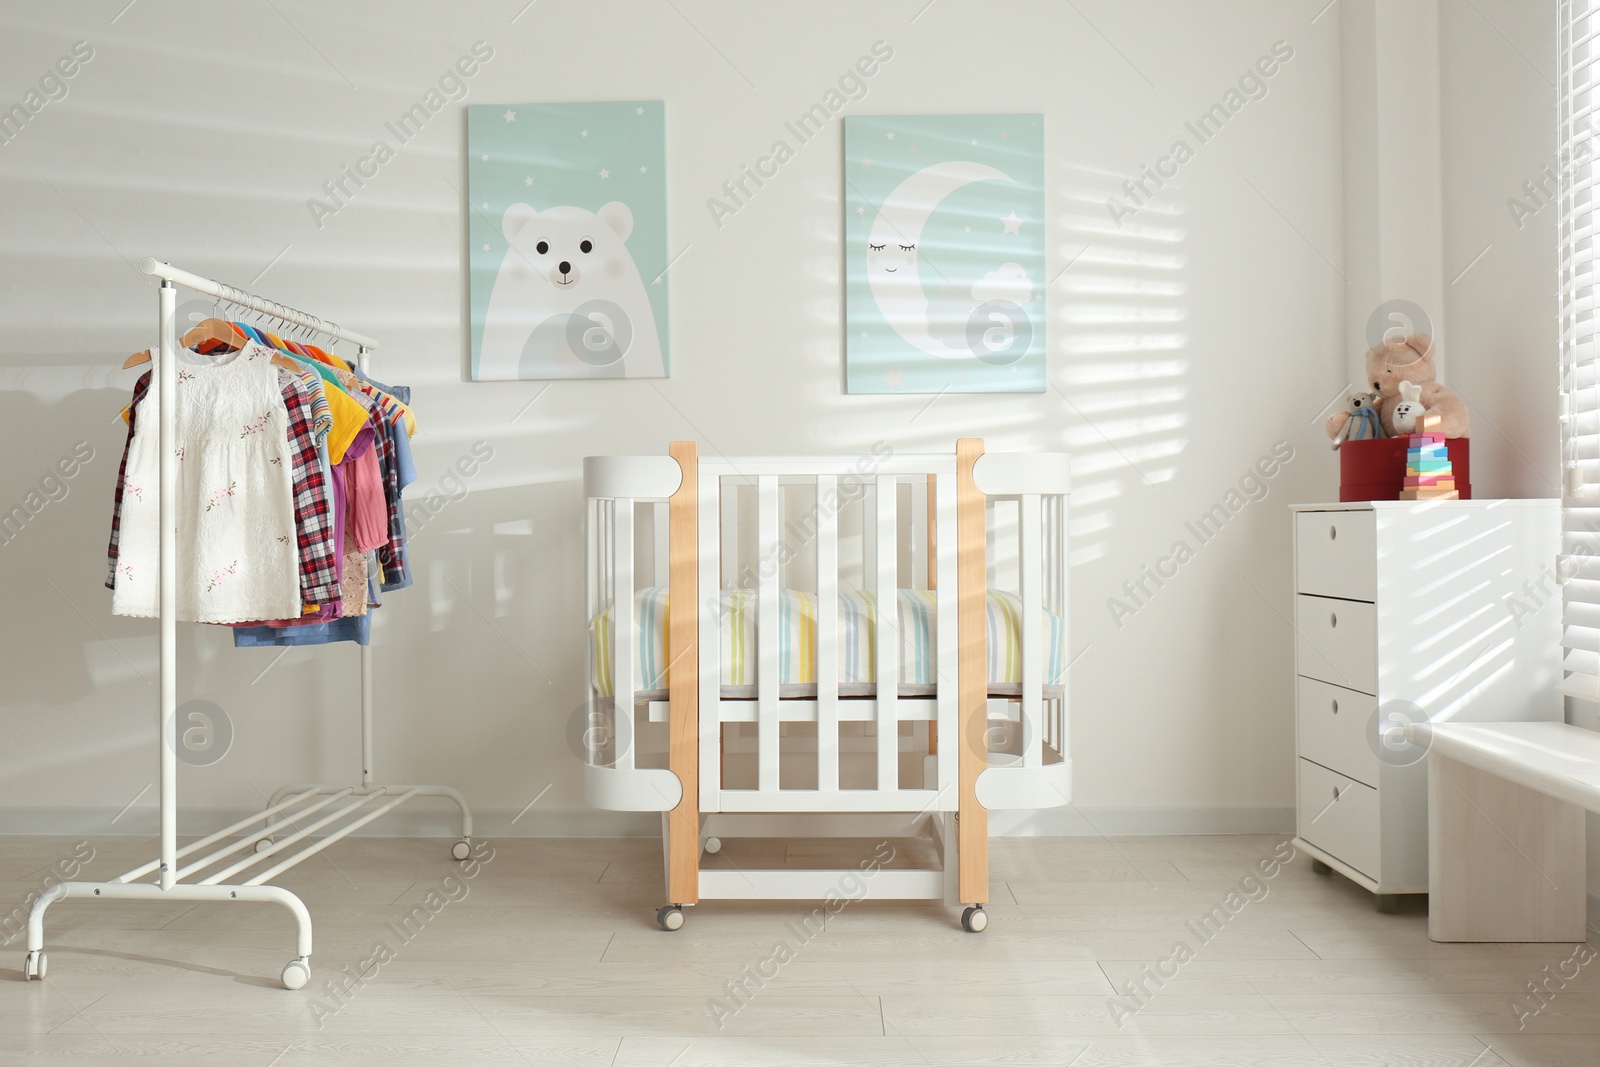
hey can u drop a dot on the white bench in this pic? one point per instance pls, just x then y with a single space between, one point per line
1506 805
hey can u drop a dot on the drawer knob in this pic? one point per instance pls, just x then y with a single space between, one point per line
1335 704
1333 533
1333 619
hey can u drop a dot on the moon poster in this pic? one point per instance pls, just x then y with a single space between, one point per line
944 254
567 240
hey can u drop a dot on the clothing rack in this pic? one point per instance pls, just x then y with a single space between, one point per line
339 810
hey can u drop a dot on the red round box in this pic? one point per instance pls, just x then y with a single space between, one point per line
1376 470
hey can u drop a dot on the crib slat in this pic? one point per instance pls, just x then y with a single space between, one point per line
885 583
1030 573
728 497
709 558
659 512
990 520
767 574
827 643
919 535
1061 741
623 630
595 562
869 534
949 635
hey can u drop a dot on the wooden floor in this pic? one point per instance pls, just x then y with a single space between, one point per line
551 955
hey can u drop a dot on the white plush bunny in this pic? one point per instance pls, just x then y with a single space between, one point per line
1409 408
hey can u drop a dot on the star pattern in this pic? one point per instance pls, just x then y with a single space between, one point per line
584 133
638 111
510 116
644 170
484 158
867 162
528 180
604 173
486 246
1011 224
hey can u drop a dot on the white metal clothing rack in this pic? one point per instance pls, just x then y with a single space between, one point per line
338 810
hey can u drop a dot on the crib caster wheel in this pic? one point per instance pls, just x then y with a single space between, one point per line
713 845
461 849
975 920
296 973
263 844
670 917
36 966
1318 867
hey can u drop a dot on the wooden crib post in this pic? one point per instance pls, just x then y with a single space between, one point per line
972 580
683 707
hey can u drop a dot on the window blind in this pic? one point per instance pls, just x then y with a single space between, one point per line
1576 48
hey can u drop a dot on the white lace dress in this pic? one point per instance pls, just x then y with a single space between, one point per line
238 556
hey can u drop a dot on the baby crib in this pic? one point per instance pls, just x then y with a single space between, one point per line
811 646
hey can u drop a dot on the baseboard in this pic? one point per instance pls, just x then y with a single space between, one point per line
1076 820
441 820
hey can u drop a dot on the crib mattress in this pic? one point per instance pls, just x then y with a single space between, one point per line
797 655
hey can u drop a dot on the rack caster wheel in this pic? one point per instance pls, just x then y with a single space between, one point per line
263 844
296 973
461 849
713 845
975 920
1318 867
670 917
36 966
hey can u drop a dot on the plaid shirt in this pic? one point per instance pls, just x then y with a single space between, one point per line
313 505
140 387
313 502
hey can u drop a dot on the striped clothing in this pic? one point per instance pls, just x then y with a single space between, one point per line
916 621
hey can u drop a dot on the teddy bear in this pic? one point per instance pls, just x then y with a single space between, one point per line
1411 360
1360 423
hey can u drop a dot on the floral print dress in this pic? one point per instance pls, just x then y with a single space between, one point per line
238 559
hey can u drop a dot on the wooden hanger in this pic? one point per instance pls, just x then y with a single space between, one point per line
220 330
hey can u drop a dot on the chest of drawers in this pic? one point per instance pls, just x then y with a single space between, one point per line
1447 610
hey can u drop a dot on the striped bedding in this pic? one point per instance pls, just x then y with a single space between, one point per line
797 631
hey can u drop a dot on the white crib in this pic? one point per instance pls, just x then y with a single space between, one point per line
736 606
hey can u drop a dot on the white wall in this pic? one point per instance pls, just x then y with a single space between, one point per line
1497 98
1182 348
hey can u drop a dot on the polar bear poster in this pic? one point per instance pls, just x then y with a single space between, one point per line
568 241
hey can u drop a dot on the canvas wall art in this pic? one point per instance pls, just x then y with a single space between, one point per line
944 254
568 240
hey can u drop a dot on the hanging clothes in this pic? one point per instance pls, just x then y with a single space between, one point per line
316 538
238 549
368 459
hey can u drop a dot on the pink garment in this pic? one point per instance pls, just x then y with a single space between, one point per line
367 514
